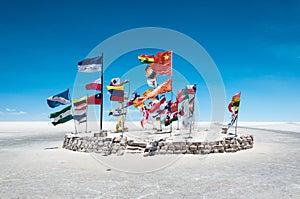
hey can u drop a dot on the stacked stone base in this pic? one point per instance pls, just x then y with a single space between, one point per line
120 146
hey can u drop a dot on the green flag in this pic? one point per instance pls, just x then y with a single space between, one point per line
62 116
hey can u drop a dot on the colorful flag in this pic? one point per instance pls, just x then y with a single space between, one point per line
151 77
182 95
154 106
235 103
174 107
191 89
80 107
184 109
80 118
145 119
152 82
79 112
59 99
138 102
80 102
162 63
61 116
111 88
191 105
117 95
119 123
187 121
144 59
95 99
163 88
131 101
117 112
95 85
115 81
90 65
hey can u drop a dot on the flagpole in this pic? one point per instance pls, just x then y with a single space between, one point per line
101 106
237 117
124 116
86 112
171 87
73 114
190 131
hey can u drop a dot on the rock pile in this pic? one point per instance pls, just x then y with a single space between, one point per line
119 145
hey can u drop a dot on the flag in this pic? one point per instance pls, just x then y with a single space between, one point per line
119 123
152 82
147 92
191 105
184 109
117 112
174 117
162 63
90 65
117 95
150 73
138 102
95 85
145 119
151 77
80 107
155 105
80 103
111 88
235 103
131 101
187 121
182 95
163 88
144 59
61 116
80 117
174 107
79 112
191 89
59 99
95 99
115 81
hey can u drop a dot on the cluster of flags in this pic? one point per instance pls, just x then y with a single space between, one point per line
88 65
117 94
63 115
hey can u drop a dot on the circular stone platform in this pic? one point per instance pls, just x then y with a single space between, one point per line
155 144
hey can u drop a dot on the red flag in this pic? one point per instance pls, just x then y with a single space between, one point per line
163 88
95 85
162 63
174 107
95 99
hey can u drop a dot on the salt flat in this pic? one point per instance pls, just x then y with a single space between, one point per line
33 165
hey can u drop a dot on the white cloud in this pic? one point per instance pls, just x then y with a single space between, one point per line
10 110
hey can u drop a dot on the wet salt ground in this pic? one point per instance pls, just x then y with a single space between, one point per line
270 169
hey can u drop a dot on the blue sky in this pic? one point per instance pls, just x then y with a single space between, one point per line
255 45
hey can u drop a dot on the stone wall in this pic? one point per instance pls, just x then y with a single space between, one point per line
119 145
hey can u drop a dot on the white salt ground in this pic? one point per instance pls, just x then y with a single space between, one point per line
33 165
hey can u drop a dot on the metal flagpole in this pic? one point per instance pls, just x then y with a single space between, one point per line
73 113
237 117
123 109
171 88
191 120
86 112
101 95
